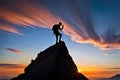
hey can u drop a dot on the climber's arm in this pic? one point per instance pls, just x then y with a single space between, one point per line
62 27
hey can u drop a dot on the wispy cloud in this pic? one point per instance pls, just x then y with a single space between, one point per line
110 53
105 54
115 68
14 50
18 52
12 65
79 27
9 28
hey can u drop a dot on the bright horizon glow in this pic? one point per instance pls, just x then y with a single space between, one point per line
90 72
79 70
11 72
97 72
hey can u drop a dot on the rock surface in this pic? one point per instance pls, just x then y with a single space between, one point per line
54 63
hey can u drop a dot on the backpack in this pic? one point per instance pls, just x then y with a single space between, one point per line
55 27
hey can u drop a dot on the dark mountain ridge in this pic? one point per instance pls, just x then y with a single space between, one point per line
54 63
115 77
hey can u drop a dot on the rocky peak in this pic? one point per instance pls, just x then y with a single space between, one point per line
54 63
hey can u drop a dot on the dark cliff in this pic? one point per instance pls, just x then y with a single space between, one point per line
54 63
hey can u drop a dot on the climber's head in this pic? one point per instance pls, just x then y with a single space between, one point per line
60 23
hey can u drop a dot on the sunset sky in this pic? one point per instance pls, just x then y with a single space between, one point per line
91 33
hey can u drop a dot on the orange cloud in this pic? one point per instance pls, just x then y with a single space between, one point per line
13 50
11 70
28 15
9 28
12 65
41 18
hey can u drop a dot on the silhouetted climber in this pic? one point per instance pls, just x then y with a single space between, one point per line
56 29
